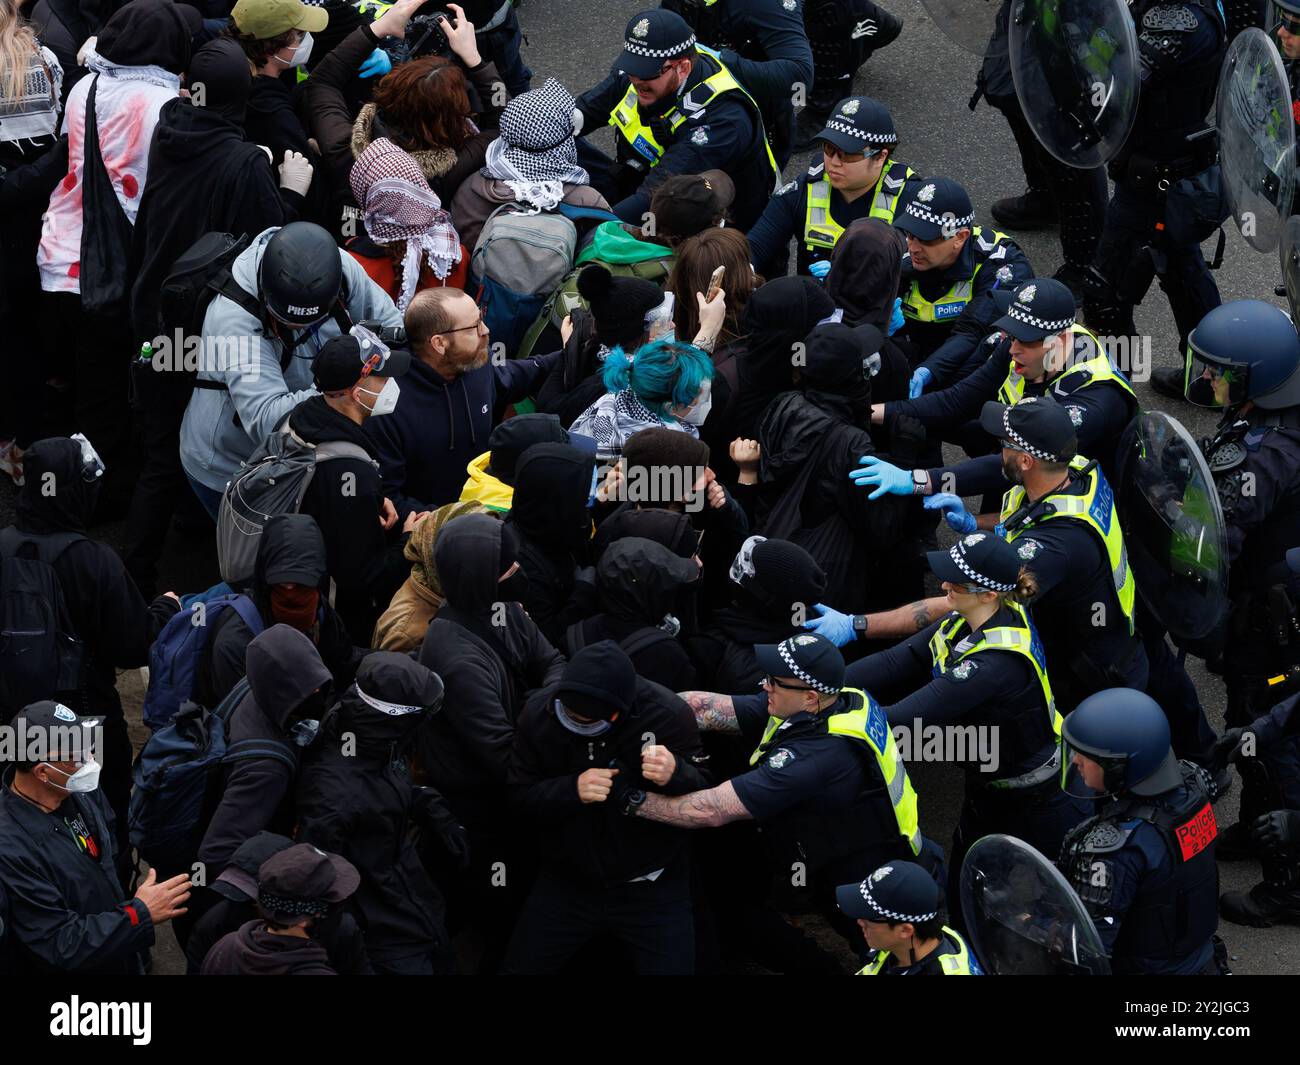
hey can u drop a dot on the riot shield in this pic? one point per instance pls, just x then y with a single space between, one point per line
1290 255
1076 69
1173 526
1256 138
970 24
1022 916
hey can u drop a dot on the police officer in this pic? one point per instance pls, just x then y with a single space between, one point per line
1144 865
1288 43
949 273
983 665
675 109
1060 514
1182 43
826 782
1255 459
764 44
897 907
1056 194
856 178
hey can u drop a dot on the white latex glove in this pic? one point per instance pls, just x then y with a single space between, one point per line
88 46
295 172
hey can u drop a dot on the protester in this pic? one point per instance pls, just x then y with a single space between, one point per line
492 475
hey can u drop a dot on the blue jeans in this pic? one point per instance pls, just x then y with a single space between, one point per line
210 498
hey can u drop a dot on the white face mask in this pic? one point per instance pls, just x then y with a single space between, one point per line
386 401
83 780
300 54
697 414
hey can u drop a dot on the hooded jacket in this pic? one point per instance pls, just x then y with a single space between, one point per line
487 669
440 426
253 951
640 582
290 550
223 426
106 610
356 799
346 499
596 844
199 159
551 519
284 670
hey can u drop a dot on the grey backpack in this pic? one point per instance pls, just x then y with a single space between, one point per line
272 481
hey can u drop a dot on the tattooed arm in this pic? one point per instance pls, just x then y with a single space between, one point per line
699 809
906 620
713 712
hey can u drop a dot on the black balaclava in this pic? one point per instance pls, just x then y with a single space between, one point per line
221 69
833 376
56 497
155 33
552 485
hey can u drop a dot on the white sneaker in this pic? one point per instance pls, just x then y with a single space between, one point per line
11 462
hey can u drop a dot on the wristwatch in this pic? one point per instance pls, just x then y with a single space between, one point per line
859 625
634 801
920 482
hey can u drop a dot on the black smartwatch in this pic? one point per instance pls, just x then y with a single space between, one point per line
859 625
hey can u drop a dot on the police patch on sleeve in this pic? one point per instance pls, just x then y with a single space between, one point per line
1027 549
964 670
1004 274
700 136
790 5
1076 414
780 758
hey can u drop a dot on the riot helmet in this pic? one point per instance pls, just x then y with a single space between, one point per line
1126 733
1243 350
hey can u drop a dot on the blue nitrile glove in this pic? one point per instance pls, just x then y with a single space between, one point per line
885 478
377 64
896 318
820 269
836 627
959 519
920 378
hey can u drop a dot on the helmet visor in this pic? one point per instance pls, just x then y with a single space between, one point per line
1215 384
743 565
1089 774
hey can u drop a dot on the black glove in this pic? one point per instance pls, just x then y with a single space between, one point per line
429 806
1227 748
1274 831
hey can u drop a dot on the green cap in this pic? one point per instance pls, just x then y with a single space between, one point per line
264 19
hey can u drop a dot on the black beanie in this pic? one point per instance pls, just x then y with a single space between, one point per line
785 574
598 682
516 435
618 304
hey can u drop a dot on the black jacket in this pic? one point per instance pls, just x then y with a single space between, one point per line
549 515
290 550
107 611
346 499
203 176
487 669
596 843
355 799
343 941
283 672
68 910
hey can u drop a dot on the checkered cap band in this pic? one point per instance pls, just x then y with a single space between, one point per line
783 649
955 554
864 889
919 210
637 48
1020 312
885 139
1022 443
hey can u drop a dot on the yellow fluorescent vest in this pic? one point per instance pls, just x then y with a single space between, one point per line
1098 369
820 230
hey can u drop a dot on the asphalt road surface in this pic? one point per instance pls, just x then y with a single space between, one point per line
926 81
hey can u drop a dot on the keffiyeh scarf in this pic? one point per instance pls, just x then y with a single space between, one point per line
536 154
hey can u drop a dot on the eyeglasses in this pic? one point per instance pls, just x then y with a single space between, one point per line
772 682
476 325
849 157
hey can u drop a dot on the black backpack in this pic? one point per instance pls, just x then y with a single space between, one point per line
40 656
633 643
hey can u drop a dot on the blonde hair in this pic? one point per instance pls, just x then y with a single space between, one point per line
1025 591
17 46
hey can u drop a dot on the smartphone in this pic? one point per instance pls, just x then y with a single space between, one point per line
715 283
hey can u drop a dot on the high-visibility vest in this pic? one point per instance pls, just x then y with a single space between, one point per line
1019 639
960 963
950 305
867 725
820 230
1096 509
1098 370
626 118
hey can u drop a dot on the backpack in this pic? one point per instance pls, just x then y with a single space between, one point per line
273 480
175 655
40 656
177 777
519 260
633 643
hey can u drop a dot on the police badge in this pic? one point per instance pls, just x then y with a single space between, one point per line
641 28
963 670
1027 549
926 194
780 758
1076 414
1004 274
700 136
973 539
1027 294
790 5
850 108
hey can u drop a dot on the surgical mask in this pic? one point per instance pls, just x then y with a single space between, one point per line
386 401
300 54
580 728
304 732
83 780
836 317
698 413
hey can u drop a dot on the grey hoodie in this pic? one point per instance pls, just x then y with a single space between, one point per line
213 442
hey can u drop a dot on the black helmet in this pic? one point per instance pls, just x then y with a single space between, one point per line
1244 350
301 274
1127 734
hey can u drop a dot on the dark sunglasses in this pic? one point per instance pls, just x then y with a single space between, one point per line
772 682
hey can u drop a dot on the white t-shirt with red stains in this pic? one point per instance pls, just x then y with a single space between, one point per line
127 103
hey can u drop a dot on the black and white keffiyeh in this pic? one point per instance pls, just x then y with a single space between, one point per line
536 153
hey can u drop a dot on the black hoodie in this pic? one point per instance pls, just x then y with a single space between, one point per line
284 670
550 517
290 550
489 655
356 799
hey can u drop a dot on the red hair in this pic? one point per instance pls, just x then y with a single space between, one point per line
425 104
